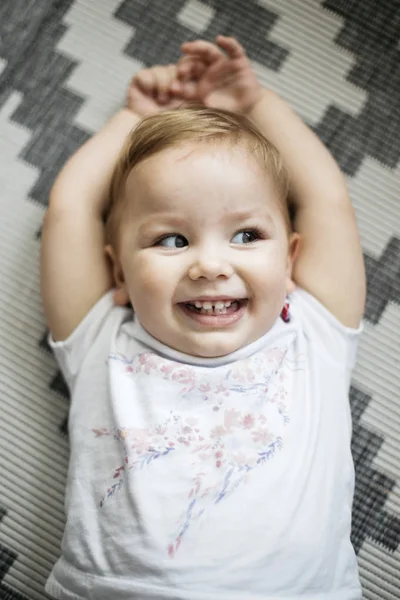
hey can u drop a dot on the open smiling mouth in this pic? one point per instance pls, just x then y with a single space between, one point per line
221 312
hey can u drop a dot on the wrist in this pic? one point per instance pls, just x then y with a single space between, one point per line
131 113
258 101
254 99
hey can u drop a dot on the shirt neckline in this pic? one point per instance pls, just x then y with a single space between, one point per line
142 335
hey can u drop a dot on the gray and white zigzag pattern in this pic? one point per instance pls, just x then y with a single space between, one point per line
64 65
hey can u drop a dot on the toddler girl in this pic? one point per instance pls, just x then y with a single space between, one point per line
208 345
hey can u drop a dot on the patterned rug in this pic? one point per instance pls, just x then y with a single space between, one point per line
64 66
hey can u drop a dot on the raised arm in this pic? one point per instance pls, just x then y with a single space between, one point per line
74 268
330 263
75 272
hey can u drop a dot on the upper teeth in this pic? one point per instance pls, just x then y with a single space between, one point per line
209 305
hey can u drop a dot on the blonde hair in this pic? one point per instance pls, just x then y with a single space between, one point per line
194 124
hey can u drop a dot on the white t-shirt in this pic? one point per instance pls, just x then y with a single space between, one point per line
202 479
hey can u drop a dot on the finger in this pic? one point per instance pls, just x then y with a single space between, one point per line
184 68
189 90
145 80
176 87
207 51
191 68
198 69
163 76
231 46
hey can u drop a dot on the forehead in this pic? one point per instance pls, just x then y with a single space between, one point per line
193 179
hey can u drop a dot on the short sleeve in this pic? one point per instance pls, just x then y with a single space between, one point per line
338 342
70 353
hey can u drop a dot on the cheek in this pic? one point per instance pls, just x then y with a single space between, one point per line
151 279
267 269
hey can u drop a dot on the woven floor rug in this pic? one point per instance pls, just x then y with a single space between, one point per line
64 66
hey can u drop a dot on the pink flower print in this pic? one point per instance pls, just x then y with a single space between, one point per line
138 433
160 429
245 372
118 471
204 456
183 440
241 459
184 376
187 377
197 482
147 362
262 436
274 398
140 445
250 375
274 354
221 389
248 421
282 393
218 431
167 369
238 373
100 432
205 387
218 456
232 418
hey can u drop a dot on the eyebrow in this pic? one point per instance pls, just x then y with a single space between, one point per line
158 219
164 218
244 215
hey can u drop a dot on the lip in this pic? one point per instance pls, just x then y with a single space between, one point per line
214 321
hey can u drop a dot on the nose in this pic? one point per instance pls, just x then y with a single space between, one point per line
209 265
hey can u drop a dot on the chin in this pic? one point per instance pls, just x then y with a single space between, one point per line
214 348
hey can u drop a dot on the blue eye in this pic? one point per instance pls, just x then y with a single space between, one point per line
173 241
246 236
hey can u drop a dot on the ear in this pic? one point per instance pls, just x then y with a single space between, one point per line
293 253
121 296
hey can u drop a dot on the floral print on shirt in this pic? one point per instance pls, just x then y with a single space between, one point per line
226 445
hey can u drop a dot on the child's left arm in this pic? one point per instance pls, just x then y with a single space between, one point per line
330 264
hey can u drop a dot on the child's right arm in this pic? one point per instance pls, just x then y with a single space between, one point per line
74 268
75 272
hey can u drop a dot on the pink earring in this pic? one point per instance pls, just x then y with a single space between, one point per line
285 311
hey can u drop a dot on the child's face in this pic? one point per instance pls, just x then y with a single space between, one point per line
203 224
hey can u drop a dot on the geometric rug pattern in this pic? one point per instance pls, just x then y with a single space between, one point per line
64 67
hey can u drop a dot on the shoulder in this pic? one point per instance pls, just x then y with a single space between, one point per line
95 331
330 263
328 335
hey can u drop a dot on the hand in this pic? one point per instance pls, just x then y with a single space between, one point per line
216 78
149 91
